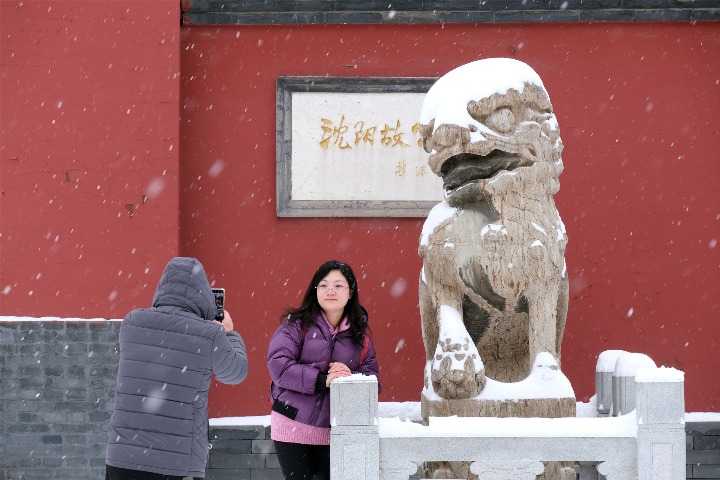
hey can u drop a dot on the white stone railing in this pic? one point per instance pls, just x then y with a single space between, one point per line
646 443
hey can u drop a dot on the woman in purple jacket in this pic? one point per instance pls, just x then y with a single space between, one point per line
326 337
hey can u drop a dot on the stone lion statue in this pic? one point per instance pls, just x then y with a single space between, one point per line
494 286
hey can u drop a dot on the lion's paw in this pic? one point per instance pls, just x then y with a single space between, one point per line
457 371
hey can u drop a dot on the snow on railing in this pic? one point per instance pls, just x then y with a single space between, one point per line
645 440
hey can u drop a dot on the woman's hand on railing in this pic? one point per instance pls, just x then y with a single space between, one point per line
337 370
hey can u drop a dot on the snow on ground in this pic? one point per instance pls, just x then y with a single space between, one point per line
702 417
411 411
622 426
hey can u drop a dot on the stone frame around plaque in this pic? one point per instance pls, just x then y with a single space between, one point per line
368 193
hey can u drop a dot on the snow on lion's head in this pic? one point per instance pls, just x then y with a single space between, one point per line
487 118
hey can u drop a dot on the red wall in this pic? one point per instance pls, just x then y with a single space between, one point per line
637 106
143 100
89 96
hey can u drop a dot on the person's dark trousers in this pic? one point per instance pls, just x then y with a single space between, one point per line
303 462
116 473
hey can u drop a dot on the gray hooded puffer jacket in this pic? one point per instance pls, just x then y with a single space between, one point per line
168 354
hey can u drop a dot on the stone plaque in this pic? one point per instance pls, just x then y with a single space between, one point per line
352 147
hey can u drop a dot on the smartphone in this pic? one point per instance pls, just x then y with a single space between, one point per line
219 303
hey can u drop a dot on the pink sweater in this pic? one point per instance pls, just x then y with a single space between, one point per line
283 429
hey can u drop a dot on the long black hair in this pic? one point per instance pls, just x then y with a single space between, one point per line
310 309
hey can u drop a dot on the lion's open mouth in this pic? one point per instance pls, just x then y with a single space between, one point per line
467 167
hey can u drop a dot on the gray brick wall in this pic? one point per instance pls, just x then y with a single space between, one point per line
242 452
57 384
703 449
303 12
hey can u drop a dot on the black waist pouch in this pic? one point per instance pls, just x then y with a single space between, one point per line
284 409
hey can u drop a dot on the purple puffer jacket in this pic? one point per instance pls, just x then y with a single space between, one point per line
295 361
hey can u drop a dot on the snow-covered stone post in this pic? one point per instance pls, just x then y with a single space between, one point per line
603 381
354 437
623 381
661 424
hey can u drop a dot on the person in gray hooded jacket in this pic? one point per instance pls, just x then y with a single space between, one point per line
168 353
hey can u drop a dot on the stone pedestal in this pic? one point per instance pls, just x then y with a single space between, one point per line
354 442
660 410
546 392
477 407
604 381
623 381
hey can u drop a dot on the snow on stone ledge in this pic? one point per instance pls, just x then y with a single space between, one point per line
57 319
263 420
698 417
606 360
661 374
628 364
410 411
355 378
622 426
